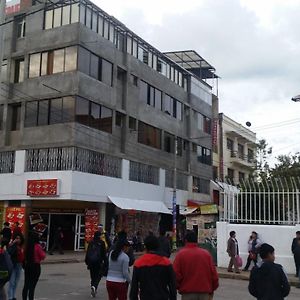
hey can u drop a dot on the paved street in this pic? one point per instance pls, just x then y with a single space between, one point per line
71 281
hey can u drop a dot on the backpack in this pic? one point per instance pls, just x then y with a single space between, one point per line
93 255
6 267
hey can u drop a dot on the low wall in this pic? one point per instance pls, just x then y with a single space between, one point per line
280 237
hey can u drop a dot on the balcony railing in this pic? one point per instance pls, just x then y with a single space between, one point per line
243 157
7 162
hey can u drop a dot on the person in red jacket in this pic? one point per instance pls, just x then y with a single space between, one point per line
196 275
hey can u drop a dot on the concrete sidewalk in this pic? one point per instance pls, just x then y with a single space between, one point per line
78 257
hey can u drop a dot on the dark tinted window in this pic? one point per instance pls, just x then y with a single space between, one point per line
31 113
82 111
143 91
56 111
106 75
94 66
43 114
95 115
15 117
149 135
68 109
106 119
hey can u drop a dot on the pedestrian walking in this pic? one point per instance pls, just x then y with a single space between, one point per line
6 234
196 275
233 252
253 250
16 253
104 236
118 277
269 281
294 245
297 258
5 268
164 244
34 254
16 230
58 240
153 276
96 261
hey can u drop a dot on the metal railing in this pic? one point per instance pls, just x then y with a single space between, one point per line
72 158
275 202
7 162
242 156
143 173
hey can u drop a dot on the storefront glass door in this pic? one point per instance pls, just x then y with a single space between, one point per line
79 232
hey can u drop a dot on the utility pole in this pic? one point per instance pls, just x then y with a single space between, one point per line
2 20
174 200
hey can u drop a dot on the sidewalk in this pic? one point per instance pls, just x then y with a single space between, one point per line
78 257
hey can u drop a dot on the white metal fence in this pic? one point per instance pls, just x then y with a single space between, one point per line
275 201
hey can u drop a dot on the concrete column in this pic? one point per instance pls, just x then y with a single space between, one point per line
20 162
162 178
222 237
125 169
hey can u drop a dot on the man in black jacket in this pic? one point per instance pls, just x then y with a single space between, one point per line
294 245
153 275
268 282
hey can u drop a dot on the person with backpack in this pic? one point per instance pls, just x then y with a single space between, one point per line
34 254
6 267
96 261
118 277
57 241
16 253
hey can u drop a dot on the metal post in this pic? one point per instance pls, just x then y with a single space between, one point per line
2 20
174 202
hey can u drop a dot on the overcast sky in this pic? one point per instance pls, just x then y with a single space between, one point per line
253 44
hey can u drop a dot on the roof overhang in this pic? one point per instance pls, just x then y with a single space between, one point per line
141 205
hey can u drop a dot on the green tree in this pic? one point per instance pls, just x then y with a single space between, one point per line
263 153
287 166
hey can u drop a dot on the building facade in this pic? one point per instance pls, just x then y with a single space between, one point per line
235 159
90 114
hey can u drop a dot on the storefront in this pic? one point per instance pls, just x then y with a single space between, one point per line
72 216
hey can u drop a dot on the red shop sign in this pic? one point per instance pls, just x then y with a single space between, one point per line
42 188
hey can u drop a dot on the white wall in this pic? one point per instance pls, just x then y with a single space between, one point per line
280 237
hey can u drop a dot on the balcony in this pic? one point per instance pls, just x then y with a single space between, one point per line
241 159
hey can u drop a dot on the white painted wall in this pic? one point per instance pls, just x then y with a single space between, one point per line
280 237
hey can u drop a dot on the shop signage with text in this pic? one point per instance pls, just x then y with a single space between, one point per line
42 188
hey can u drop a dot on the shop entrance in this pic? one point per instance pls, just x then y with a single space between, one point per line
73 228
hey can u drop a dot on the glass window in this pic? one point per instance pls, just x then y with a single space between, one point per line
106 119
57 17
15 117
19 70
1 116
100 25
68 109
134 48
43 113
4 71
34 65
178 110
176 76
149 135
106 74
95 21
74 13
106 29
206 125
88 17
21 24
94 66
31 113
169 142
111 33
49 19
151 95
84 60
180 79
158 99
143 91
55 111
150 58
58 61
44 63
132 123
66 12
82 13
172 73
200 121
168 104
119 119
154 65
230 144
82 111
71 59
95 115
134 79
129 45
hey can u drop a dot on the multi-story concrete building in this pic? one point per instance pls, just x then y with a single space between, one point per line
89 116
234 159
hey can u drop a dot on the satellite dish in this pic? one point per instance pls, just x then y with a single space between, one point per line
248 124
